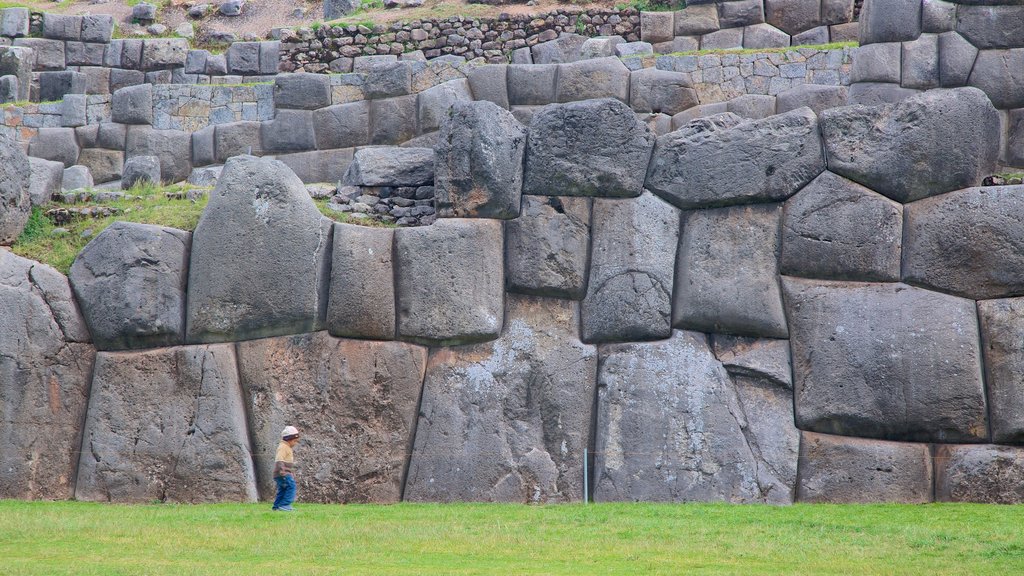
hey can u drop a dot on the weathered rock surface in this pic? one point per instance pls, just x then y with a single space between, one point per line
15 200
45 367
547 247
354 402
727 272
130 282
717 161
999 73
391 166
260 257
761 358
167 425
1002 322
890 21
885 361
45 180
450 281
672 426
589 148
969 242
507 421
928 144
479 162
852 470
988 474
839 230
629 293
362 294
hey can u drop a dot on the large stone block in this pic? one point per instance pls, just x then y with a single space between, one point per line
355 404
727 272
629 295
547 247
815 96
391 166
663 91
97 28
890 21
393 120
755 358
319 166
507 421
141 170
765 36
132 105
718 161
259 217
62 26
362 294
45 180
172 147
56 144
450 281
530 85
14 22
49 54
243 58
164 53
841 470
566 48
928 144
45 367
600 46
388 79
18 62
130 282
920 62
1001 324
967 242
656 27
1000 74
236 138
673 426
489 83
166 425
885 361
985 474
792 16
15 192
289 131
342 125
595 78
435 103
589 148
54 86
740 13
835 12
695 20
956 59
836 229
878 93
479 162
990 26
104 165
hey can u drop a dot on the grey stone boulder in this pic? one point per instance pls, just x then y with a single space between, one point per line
818 35
600 47
718 162
752 106
76 178
361 303
1000 74
984 474
355 403
656 26
792 16
595 78
342 125
62 26
920 63
479 162
259 217
163 53
835 229
236 138
765 36
103 165
885 361
450 281
566 48
696 19
739 13
130 282
391 166
956 60
318 166
132 105
14 22
139 170
633 49
533 84
46 54
490 83
163 422
144 12
815 96
508 420
334 9
205 176
877 63
632 267
47 364
878 93
664 91
967 242
938 16
890 21
56 144
673 427
388 79
434 104
15 191
590 148
289 131
547 247
302 91
97 28
988 26
45 180
839 470
928 144
172 147
755 358
727 272
393 120
1001 324
55 86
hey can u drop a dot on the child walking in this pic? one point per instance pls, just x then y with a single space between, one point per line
284 467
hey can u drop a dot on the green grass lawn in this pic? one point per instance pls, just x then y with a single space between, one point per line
81 538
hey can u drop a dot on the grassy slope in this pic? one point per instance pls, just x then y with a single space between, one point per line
82 538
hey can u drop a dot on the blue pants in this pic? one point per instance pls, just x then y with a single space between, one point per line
285 491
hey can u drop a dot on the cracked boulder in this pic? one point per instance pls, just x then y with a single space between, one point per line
166 425
507 421
929 144
981 473
260 257
672 426
885 361
15 200
547 247
130 282
354 402
45 365
629 294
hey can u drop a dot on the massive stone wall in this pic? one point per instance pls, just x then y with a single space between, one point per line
804 307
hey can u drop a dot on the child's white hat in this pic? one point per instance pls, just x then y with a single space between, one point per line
289 431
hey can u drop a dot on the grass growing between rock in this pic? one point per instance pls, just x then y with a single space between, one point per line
347 218
83 538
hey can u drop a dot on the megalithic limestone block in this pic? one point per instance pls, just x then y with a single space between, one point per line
260 257
130 282
672 426
169 425
45 366
354 402
507 421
